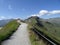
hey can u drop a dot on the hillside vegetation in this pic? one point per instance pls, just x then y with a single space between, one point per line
49 29
8 29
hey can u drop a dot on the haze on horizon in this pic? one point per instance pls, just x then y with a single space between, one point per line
26 8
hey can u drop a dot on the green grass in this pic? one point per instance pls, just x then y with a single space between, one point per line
34 38
51 35
52 31
8 29
48 29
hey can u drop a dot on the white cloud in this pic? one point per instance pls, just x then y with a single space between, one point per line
9 7
43 12
46 12
5 17
34 15
2 17
55 12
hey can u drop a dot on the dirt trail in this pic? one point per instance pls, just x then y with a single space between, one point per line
20 37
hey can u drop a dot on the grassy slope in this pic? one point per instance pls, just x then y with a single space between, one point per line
35 40
49 29
8 29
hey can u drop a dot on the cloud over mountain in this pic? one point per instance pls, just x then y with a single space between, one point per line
46 12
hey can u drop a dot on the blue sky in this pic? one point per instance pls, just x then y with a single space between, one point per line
25 8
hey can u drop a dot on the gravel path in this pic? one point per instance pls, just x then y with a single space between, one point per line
20 37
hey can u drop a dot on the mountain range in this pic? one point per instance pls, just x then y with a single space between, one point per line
4 22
